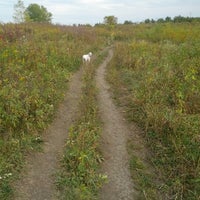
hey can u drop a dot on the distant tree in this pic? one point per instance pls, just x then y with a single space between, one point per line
110 20
189 19
37 13
168 19
99 24
179 19
19 12
176 19
128 22
160 20
147 21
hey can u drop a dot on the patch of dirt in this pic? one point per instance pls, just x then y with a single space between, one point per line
37 181
114 143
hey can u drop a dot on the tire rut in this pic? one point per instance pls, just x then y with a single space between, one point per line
37 181
113 144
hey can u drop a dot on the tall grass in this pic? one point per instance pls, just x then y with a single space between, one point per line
161 72
36 61
80 177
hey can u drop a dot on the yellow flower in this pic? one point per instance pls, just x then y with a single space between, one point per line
21 78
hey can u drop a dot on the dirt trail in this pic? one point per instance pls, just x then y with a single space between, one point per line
114 139
37 182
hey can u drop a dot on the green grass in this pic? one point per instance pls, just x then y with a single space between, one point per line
157 64
36 63
161 74
80 178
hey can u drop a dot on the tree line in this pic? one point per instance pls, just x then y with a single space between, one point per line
112 20
33 13
37 13
176 19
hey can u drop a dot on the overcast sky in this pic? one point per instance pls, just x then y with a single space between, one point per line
93 11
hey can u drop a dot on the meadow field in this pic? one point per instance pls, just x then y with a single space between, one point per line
154 74
36 62
158 65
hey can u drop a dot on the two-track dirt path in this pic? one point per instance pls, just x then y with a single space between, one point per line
37 182
114 140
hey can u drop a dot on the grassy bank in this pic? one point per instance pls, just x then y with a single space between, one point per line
160 71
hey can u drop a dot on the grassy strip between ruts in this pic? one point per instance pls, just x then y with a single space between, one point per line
79 177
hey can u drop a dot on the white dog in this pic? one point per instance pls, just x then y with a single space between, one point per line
87 57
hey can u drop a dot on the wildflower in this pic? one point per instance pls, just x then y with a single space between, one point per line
7 175
104 177
38 139
21 78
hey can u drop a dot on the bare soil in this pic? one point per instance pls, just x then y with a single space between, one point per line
37 181
113 145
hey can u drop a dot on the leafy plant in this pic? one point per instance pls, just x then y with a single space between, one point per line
80 177
37 61
162 77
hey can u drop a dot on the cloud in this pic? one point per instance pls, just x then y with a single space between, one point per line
92 1
90 10
93 11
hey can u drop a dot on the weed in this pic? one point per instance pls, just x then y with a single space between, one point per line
37 61
162 78
79 177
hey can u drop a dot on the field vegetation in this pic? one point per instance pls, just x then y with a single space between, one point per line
158 67
80 176
36 62
155 70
